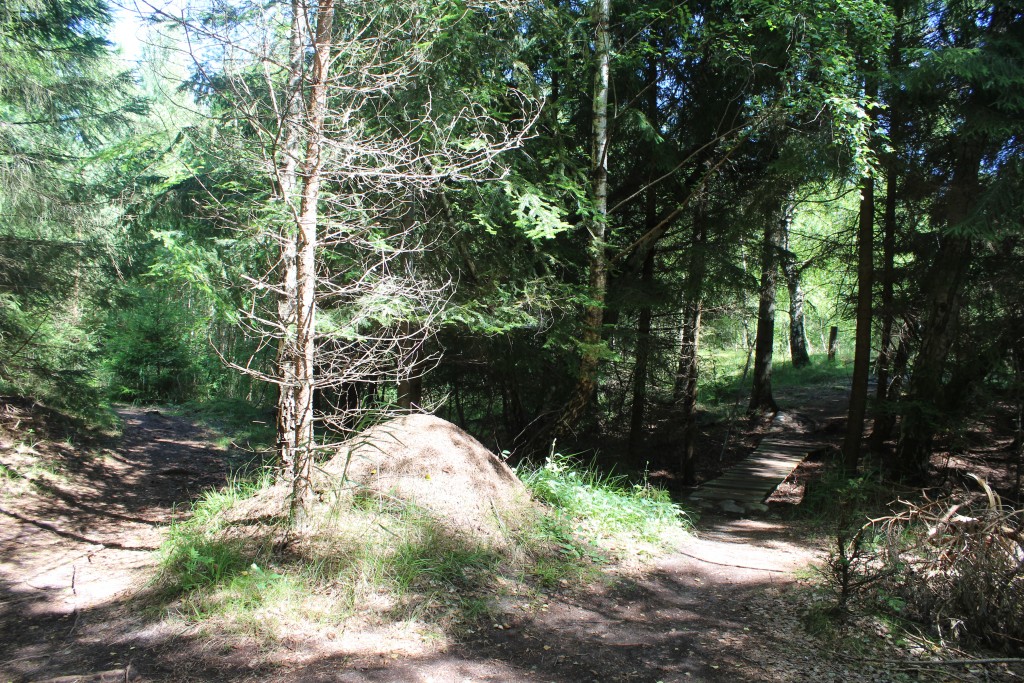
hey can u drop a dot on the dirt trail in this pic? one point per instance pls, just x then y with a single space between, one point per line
74 545
717 610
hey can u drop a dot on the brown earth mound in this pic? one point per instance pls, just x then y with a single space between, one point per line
436 466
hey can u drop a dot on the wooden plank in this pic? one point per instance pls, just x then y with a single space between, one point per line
768 447
769 469
771 459
741 489
739 477
750 477
749 482
732 490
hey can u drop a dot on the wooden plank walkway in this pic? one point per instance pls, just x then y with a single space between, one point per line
743 487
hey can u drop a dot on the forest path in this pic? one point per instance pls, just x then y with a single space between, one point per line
75 543
742 488
809 419
724 606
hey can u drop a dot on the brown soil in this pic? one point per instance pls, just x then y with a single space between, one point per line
77 547
78 531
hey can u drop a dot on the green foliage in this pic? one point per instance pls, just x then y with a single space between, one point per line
844 506
130 239
536 213
63 103
154 351
600 504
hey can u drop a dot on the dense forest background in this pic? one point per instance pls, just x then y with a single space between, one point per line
582 221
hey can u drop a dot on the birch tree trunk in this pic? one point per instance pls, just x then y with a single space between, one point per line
797 329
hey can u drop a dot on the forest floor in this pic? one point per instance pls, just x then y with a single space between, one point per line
80 524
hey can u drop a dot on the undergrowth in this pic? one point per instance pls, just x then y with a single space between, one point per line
599 505
238 423
723 380
930 575
380 561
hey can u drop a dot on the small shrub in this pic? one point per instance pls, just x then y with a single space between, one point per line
195 554
845 503
200 562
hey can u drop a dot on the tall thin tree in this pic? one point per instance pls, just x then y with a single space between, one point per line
593 315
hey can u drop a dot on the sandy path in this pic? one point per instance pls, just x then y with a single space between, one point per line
70 558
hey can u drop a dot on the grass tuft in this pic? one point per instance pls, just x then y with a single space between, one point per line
601 505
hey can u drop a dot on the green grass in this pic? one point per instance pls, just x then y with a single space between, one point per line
385 561
195 555
377 551
602 505
722 373
236 421
820 372
722 377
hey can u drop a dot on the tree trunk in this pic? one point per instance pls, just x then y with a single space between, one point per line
892 355
885 411
687 375
643 352
684 392
643 327
797 330
593 317
833 342
761 399
886 344
410 388
886 347
1018 439
305 338
460 412
862 344
942 307
290 119
410 383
